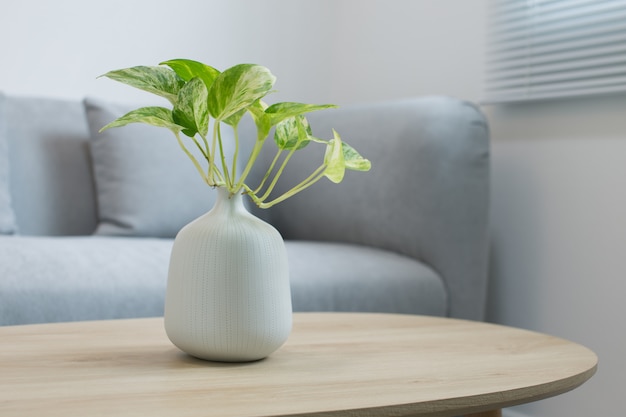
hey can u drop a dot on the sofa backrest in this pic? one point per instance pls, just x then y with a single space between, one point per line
426 196
51 181
66 178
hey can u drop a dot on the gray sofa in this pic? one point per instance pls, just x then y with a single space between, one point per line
87 220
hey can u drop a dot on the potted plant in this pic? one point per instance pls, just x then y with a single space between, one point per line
228 295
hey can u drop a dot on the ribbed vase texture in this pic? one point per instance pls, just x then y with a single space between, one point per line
228 297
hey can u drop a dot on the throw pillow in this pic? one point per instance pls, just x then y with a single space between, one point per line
145 184
8 224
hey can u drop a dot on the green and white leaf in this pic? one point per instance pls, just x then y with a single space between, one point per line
233 119
188 69
293 133
261 119
198 91
354 161
156 80
281 111
155 116
191 109
237 88
334 160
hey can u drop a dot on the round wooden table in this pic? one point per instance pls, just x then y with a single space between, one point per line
334 364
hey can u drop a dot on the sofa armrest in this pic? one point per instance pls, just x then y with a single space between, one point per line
426 195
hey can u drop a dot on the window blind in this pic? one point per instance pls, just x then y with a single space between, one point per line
539 49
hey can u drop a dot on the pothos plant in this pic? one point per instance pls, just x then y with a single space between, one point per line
199 93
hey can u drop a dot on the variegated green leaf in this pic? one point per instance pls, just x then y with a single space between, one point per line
261 119
292 133
334 160
233 119
281 111
191 109
354 160
237 88
198 91
157 80
155 116
188 69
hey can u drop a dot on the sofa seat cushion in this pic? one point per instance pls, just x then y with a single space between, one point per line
52 279
344 277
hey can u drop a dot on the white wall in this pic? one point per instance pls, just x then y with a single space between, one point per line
321 50
559 168
391 49
559 231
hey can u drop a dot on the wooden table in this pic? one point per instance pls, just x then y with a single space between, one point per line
333 365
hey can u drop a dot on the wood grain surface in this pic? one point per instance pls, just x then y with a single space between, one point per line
334 364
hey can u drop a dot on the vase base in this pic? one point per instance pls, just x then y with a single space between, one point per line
221 360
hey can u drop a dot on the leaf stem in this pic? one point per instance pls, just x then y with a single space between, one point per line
229 183
256 150
213 148
202 150
269 172
207 151
236 155
212 170
310 180
193 159
270 188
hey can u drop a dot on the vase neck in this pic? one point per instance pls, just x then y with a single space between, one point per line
228 203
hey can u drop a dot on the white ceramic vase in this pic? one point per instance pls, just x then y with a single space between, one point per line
228 296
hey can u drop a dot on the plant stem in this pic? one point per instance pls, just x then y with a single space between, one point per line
213 148
278 174
193 159
268 173
310 180
256 150
212 170
236 155
229 183
202 150
207 151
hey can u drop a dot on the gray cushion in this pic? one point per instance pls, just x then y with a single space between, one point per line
51 182
343 277
51 279
7 217
145 184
